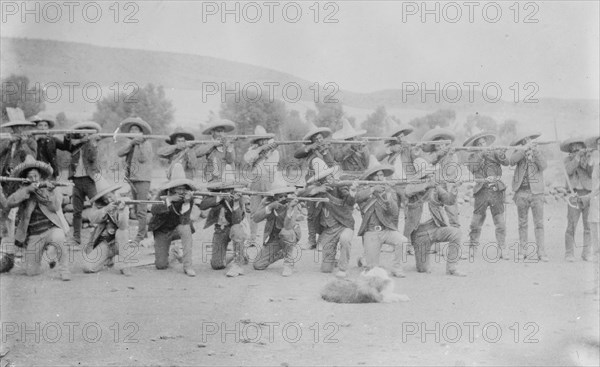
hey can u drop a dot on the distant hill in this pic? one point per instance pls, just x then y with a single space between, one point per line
182 75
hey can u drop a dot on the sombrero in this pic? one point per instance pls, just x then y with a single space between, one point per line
44 117
30 163
592 142
177 179
103 188
522 137
131 121
259 130
374 167
314 130
565 145
87 125
17 123
224 185
403 129
179 132
437 134
489 136
227 125
347 131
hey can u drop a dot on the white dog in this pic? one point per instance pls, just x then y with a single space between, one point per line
374 285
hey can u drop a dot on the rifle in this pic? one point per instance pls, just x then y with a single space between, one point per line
305 198
131 201
61 132
506 147
38 183
250 192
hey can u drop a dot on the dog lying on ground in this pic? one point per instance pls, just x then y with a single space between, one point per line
371 286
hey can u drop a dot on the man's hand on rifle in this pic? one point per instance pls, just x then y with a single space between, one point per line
188 196
276 205
175 198
137 140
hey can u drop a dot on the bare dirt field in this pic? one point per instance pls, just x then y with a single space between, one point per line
502 313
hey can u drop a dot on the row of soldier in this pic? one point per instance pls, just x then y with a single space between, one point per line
405 177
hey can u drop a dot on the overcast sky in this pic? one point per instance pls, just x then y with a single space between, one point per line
371 47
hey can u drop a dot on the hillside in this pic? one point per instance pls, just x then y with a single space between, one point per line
183 75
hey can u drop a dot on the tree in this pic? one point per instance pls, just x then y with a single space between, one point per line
481 122
16 92
329 115
149 103
508 131
377 123
440 118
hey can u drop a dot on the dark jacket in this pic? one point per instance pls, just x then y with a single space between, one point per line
46 151
340 206
387 210
138 160
274 220
232 215
119 221
487 164
534 168
353 158
89 150
161 213
437 197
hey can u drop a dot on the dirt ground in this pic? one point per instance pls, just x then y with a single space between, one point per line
502 313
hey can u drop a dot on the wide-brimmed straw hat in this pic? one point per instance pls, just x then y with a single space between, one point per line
262 134
103 187
87 125
44 117
17 123
227 125
374 167
565 145
403 129
489 136
347 131
177 179
126 125
314 130
524 136
31 163
177 133
439 133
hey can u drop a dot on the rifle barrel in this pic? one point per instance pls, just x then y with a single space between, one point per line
289 142
378 138
62 132
129 202
304 198
250 192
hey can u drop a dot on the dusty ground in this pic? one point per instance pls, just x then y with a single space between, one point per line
503 313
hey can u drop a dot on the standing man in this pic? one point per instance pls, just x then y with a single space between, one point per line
380 209
263 158
487 164
171 221
351 157
528 186
40 220
47 145
333 221
220 153
138 168
180 152
426 221
84 170
400 154
579 167
282 228
318 157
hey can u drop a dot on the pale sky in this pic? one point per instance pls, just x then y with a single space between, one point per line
370 48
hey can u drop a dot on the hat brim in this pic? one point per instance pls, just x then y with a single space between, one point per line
490 137
220 185
405 130
521 138
176 183
17 123
565 146
101 193
326 132
51 123
144 126
87 125
227 126
21 169
387 171
262 137
175 135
